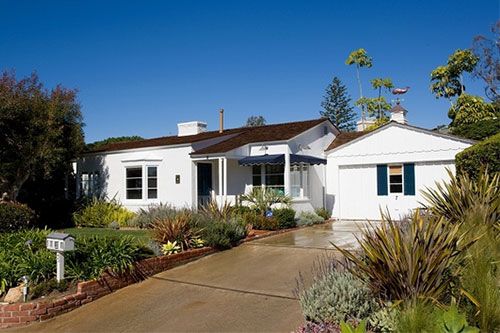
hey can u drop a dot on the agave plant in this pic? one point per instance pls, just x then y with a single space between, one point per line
454 198
408 263
263 199
170 248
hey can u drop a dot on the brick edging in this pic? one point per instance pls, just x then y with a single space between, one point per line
18 314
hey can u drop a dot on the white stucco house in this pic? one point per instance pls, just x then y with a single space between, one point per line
351 174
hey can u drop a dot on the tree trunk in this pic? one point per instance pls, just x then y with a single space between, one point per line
360 96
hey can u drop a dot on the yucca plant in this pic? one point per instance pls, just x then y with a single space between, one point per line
262 199
454 198
175 229
412 262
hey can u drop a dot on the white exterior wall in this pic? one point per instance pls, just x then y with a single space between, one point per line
352 174
170 162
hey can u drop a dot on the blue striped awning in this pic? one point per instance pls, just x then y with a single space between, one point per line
280 159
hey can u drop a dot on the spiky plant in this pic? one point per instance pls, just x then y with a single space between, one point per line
413 262
175 229
454 198
262 199
215 211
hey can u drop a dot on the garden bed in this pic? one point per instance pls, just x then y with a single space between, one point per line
42 309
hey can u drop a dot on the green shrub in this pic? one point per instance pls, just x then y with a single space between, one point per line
95 255
479 130
285 217
410 262
323 212
100 213
309 218
385 319
222 234
486 153
418 318
214 211
15 216
146 217
46 287
336 297
260 222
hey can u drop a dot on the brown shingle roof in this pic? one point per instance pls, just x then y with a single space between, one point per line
236 137
344 138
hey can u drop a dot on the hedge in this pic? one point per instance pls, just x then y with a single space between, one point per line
485 154
479 130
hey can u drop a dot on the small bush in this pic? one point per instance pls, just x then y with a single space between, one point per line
336 297
175 229
222 234
285 217
309 218
485 154
311 327
324 213
260 222
264 199
100 213
479 130
15 216
46 287
146 217
418 318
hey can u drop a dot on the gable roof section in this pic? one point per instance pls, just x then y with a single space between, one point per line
236 137
276 132
351 137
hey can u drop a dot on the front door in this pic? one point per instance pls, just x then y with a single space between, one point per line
204 182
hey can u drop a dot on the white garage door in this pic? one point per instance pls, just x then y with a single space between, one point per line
357 188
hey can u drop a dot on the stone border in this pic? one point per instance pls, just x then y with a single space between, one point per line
18 314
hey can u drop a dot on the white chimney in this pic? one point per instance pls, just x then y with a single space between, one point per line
363 125
191 128
398 114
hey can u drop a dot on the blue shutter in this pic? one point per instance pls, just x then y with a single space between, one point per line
382 179
409 178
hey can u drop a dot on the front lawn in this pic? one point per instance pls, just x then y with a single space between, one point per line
141 235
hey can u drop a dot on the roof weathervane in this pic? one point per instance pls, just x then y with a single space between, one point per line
399 91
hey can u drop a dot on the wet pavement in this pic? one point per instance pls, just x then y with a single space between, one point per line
247 289
341 233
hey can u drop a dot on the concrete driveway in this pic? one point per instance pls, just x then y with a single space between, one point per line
246 289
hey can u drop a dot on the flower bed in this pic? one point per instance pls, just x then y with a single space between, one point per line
39 310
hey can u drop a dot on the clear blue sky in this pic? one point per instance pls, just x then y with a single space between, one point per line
141 67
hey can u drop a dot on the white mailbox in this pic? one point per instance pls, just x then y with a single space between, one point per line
60 242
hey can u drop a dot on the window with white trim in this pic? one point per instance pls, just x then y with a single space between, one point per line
396 178
299 181
152 182
275 178
133 181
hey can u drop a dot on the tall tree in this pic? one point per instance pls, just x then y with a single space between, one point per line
114 139
337 106
488 68
360 59
447 81
253 121
40 131
386 85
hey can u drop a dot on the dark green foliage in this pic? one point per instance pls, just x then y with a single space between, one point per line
101 143
260 222
96 255
40 133
46 287
253 121
324 213
337 106
221 234
479 130
25 253
285 217
15 216
485 154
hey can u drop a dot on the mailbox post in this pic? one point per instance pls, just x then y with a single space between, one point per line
60 243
